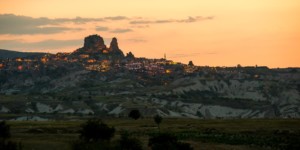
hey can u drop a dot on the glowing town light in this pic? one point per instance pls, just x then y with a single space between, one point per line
168 71
20 67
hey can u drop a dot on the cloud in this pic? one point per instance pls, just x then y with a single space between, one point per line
12 24
118 30
100 28
35 30
188 20
117 18
77 20
195 19
19 25
121 30
140 26
141 22
43 45
16 25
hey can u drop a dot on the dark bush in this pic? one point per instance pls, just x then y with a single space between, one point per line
157 120
166 141
129 143
100 145
8 146
96 130
134 114
4 130
4 135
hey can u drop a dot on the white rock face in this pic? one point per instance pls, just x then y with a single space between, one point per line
287 100
29 110
59 107
278 102
68 80
30 118
161 102
102 106
85 111
221 111
4 110
161 113
67 111
117 110
233 89
43 108
174 114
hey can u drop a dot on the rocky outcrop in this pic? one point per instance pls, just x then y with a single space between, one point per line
114 45
4 110
94 42
130 55
114 48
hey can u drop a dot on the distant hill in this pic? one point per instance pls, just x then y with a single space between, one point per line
13 54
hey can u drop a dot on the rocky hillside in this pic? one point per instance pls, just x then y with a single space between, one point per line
99 80
4 54
83 92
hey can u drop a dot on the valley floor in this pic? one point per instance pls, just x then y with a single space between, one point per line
237 134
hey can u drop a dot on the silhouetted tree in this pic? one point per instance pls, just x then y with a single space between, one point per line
158 120
4 130
4 135
167 141
134 114
96 130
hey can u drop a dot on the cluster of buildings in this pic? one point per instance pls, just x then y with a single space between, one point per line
90 62
138 65
20 64
152 66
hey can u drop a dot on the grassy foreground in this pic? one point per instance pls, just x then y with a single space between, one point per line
201 134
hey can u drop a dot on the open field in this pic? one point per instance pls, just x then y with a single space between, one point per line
201 134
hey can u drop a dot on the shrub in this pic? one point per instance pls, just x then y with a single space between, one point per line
157 120
100 145
96 130
134 114
129 143
8 146
4 130
167 141
4 135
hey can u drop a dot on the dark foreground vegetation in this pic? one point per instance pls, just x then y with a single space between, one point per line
130 134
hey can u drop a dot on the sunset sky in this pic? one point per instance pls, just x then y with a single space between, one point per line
208 32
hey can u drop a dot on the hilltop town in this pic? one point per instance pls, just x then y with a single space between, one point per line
96 56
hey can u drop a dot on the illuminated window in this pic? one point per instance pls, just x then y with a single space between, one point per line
20 67
105 51
44 59
91 61
168 71
84 56
19 59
